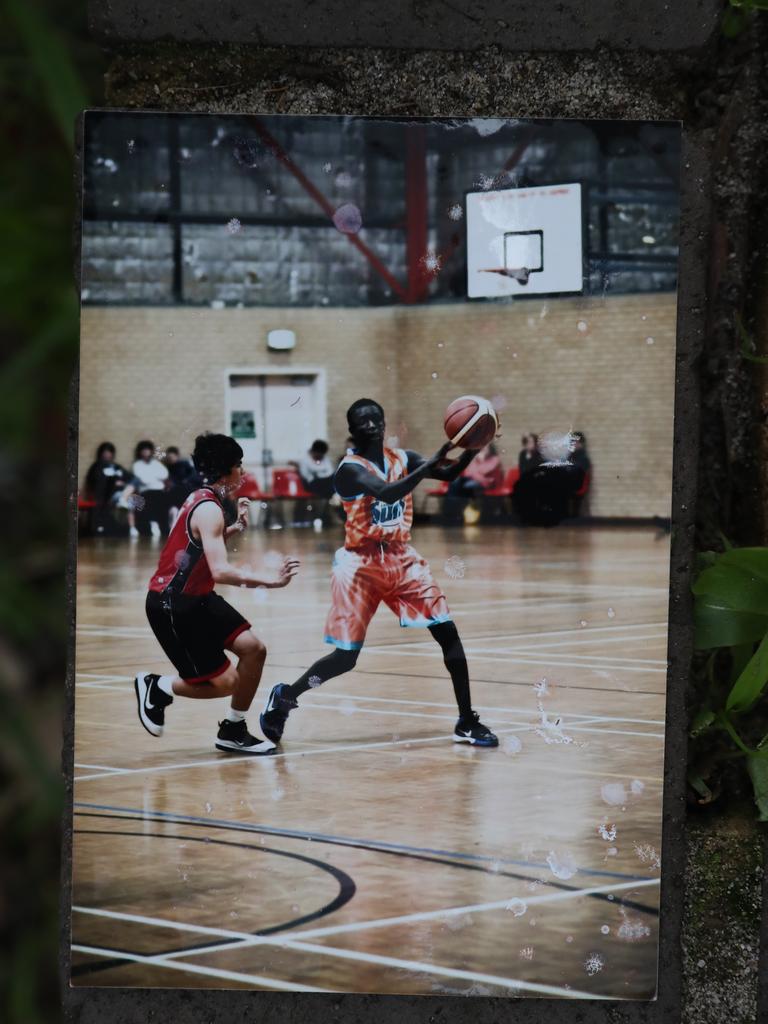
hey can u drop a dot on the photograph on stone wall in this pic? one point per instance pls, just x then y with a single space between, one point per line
375 430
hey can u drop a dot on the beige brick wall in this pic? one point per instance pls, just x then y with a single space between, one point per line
159 373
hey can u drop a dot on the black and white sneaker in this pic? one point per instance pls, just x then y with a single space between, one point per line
275 714
471 730
152 702
234 736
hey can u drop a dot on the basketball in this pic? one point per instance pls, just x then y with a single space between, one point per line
471 422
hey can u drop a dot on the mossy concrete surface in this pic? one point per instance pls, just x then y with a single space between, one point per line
721 920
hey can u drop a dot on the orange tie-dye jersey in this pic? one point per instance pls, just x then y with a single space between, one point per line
368 518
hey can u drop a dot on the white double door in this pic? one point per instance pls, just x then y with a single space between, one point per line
275 417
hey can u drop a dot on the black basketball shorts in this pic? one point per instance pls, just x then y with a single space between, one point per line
194 631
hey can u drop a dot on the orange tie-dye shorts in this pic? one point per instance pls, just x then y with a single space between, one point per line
364 577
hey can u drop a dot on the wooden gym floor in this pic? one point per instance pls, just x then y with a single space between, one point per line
373 854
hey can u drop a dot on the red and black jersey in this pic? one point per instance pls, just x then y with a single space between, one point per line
183 567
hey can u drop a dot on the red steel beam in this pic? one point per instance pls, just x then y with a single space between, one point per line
327 207
416 212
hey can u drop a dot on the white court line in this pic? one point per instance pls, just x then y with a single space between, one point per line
492 708
299 944
170 962
99 677
432 915
575 657
414 742
235 759
632 638
488 707
404 651
210 972
573 631
103 767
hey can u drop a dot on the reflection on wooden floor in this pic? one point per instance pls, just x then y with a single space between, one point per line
373 854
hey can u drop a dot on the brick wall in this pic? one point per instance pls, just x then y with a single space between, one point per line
555 364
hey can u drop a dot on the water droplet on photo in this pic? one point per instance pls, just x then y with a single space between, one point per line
247 152
511 745
455 212
455 568
432 262
562 865
582 326
233 226
517 906
348 219
605 930
611 613
649 341
613 793
593 964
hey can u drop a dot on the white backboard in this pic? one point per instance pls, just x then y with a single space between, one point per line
533 229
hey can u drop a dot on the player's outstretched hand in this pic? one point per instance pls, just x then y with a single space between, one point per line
440 453
288 570
243 512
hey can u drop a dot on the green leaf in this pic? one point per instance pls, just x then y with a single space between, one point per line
723 627
740 656
752 560
749 686
52 63
699 785
734 586
733 23
702 720
758 773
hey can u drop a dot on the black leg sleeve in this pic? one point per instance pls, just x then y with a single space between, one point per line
448 637
334 664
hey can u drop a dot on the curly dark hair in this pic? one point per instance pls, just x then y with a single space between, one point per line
215 455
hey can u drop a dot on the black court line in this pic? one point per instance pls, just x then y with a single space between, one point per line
406 854
347 889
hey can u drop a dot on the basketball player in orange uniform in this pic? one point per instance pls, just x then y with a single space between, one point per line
377 563
193 624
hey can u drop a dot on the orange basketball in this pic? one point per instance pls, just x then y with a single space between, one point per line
471 422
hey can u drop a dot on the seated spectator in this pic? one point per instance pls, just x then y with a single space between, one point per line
530 457
108 484
543 495
152 477
581 459
183 478
482 474
316 471
579 456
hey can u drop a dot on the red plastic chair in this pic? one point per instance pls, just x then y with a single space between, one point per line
286 483
507 486
584 487
249 488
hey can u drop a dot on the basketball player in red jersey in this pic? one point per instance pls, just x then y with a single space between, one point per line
377 563
192 623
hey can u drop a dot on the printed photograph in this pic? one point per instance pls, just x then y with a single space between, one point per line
375 475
